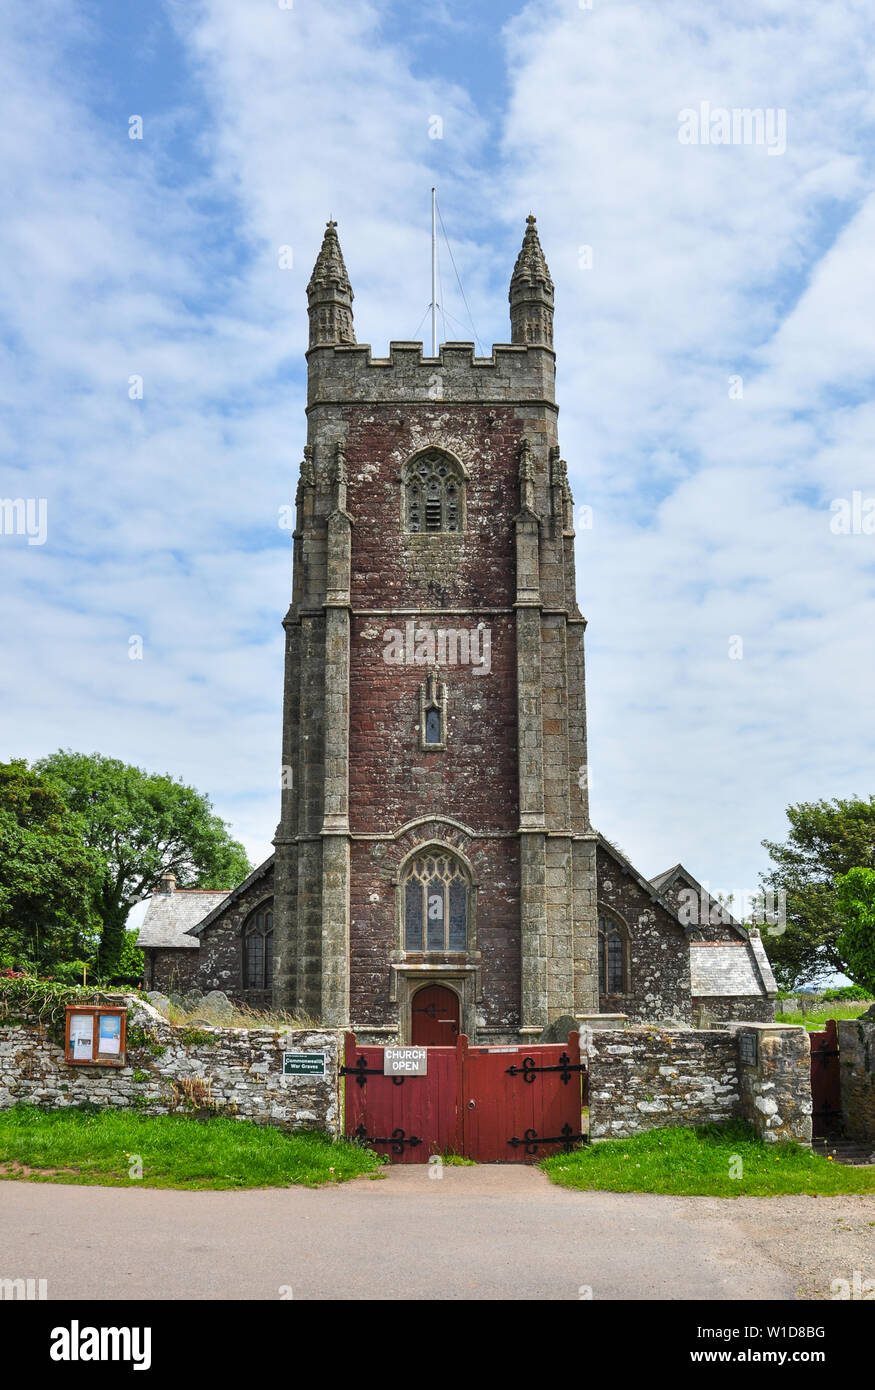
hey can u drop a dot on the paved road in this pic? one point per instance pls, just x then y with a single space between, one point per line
477 1233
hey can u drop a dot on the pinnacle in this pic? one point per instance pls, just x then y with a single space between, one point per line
330 267
531 263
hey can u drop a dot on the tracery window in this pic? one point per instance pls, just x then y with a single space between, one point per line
436 904
433 493
258 948
613 957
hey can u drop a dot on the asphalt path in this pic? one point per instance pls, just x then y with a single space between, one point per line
490 1232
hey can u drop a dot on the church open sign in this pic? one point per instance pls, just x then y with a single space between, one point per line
96 1035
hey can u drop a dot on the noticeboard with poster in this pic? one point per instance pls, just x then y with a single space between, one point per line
95 1035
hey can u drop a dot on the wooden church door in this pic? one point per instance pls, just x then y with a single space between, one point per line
434 1017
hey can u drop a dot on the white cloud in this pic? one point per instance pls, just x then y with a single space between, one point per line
711 515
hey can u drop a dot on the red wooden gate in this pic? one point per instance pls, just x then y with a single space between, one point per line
520 1103
826 1112
492 1104
409 1117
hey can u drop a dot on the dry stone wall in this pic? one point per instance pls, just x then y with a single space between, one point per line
645 1078
642 1078
172 1069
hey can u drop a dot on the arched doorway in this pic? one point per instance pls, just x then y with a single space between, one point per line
434 1017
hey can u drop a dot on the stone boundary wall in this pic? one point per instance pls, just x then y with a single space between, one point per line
646 1078
643 1078
857 1062
180 1069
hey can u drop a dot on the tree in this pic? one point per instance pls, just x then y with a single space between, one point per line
141 825
855 892
826 840
47 874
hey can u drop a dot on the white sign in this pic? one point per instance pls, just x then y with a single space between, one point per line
405 1061
82 1036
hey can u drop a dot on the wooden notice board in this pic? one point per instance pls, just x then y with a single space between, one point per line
95 1035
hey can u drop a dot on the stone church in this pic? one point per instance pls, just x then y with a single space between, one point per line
436 869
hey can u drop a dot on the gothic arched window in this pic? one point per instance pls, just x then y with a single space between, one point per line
258 948
436 898
434 493
613 956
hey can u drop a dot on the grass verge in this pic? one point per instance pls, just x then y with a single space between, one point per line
102 1148
701 1163
814 1021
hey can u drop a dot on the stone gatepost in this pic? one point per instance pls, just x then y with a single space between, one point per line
774 1073
857 1062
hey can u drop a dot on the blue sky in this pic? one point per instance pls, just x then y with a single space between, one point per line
159 258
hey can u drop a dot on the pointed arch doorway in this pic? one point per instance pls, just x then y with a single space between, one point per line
434 1017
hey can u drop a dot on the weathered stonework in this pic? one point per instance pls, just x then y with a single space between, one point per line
503 789
645 1078
362 788
857 1062
170 1069
659 952
775 1092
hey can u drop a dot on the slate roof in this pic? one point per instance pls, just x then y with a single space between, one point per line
723 969
171 916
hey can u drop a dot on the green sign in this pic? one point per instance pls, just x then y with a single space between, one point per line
303 1064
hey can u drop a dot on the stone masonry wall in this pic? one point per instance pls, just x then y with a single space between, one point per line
169 1069
775 1093
172 971
643 1078
857 1062
747 1008
658 948
648 1079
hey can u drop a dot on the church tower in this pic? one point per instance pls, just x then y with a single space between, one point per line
435 864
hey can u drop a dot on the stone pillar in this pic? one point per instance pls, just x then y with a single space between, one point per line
530 736
335 824
857 1063
774 1073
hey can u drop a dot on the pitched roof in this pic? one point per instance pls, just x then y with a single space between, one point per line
664 881
171 916
218 908
724 968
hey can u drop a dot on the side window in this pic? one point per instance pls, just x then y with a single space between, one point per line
258 948
613 957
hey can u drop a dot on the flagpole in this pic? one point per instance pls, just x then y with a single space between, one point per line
433 277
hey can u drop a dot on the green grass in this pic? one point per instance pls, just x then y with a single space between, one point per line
815 1020
96 1148
698 1163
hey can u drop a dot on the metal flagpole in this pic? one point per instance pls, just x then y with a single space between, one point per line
433 277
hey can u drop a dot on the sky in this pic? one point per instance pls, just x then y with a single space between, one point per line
714 313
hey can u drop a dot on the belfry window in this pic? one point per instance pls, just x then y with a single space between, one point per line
612 957
258 949
433 493
436 902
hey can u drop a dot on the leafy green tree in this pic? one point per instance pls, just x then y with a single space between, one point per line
826 840
855 892
141 825
47 874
